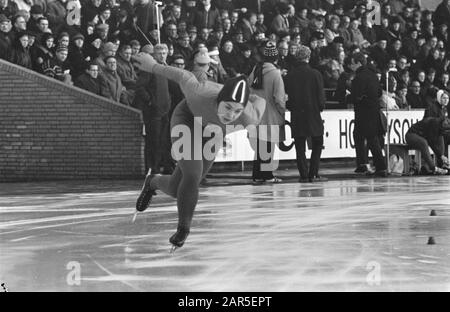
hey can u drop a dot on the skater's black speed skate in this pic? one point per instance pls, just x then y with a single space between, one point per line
177 240
146 195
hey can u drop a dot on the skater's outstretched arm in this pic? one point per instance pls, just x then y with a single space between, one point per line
189 84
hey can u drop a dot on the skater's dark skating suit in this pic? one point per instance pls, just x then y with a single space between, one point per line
200 101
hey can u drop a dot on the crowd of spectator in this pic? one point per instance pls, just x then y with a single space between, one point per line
91 43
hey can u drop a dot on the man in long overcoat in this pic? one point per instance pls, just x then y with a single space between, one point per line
306 99
365 93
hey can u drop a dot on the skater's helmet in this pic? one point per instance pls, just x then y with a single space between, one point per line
235 90
232 99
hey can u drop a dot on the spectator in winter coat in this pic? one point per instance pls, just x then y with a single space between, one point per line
20 54
266 81
89 80
77 59
306 101
125 68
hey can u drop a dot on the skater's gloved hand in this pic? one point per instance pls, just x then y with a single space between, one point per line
145 62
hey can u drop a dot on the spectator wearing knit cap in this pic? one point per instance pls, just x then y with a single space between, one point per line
58 67
266 82
306 102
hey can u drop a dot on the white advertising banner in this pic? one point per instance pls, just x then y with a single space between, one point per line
338 136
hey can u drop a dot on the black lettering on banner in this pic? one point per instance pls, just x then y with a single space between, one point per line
343 133
351 127
396 129
283 147
405 127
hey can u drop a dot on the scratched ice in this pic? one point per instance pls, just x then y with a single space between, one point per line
351 235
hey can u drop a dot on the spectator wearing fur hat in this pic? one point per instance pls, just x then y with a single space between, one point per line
306 102
266 82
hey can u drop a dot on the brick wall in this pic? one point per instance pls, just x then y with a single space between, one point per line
49 130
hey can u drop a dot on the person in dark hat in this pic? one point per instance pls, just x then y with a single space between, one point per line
77 59
216 36
206 103
36 12
315 58
92 47
247 61
379 54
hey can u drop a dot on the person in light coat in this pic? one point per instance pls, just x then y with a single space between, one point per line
267 82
